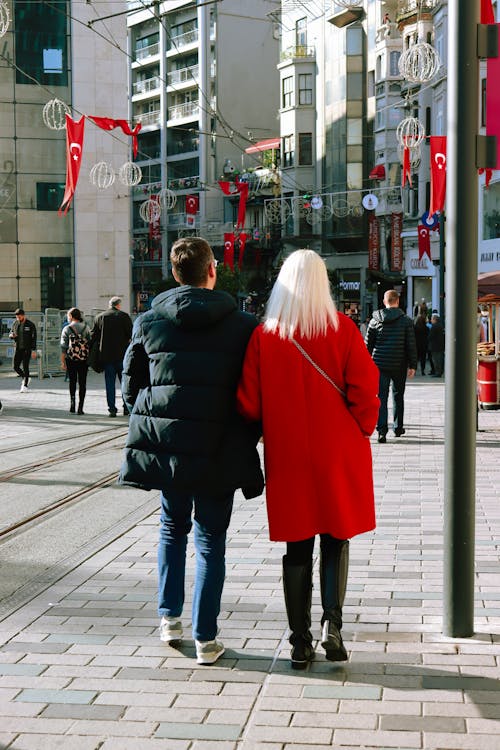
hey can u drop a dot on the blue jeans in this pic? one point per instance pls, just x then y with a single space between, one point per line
112 370
211 519
398 391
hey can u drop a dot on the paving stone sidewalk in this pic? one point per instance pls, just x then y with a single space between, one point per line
81 666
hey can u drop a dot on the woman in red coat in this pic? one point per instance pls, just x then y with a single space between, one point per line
316 441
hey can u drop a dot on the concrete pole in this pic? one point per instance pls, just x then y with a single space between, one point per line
461 301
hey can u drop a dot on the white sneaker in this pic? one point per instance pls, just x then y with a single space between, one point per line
1 407
23 389
207 652
28 383
170 629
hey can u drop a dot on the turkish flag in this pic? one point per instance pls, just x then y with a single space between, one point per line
424 242
229 250
192 204
107 123
438 173
242 189
487 12
493 99
74 151
243 241
406 174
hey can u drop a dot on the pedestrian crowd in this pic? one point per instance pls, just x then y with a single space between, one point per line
202 382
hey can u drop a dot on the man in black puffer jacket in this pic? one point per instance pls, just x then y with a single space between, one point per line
186 438
390 339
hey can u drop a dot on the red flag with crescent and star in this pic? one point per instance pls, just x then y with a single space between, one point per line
406 173
229 250
74 150
242 242
424 242
108 123
438 173
192 204
487 12
242 189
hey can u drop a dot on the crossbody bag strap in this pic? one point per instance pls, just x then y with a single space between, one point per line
319 369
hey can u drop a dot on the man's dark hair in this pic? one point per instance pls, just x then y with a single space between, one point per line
19 311
191 258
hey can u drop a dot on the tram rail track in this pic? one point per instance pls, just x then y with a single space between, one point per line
64 439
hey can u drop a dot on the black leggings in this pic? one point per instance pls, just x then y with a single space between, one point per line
300 553
77 371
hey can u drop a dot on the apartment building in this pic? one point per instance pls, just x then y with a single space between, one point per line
203 83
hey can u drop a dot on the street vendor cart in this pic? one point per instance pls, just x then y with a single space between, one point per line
488 356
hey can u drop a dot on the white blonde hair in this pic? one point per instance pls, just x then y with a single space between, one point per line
300 300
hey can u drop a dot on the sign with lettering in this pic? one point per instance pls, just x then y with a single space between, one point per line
396 242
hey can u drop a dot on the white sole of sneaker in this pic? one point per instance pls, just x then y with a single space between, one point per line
206 660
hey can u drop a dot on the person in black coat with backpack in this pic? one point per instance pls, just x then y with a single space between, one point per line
186 438
390 339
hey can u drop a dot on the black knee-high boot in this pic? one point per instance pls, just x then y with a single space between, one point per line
297 585
334 566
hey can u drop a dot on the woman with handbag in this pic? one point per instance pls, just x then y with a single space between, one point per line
308 377
75 347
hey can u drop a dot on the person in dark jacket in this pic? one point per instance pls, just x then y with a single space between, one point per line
23 332
75 339
436 345
186 437
113 329
390 339
421 336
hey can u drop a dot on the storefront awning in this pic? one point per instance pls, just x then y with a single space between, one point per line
378 172
488 283
267 145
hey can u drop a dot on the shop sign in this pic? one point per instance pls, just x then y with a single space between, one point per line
373 243
396 242
350 286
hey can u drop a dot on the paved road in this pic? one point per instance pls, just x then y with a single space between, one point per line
81 667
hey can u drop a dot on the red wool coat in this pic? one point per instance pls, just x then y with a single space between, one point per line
316 448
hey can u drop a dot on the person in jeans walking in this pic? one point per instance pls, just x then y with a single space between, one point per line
185 436
390 339
23 332
113 330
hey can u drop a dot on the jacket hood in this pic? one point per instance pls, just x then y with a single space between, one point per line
192 308
388 314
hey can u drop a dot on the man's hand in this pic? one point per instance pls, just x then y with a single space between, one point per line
411 372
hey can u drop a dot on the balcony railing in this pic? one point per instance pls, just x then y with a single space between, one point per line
188 109
184 75
184 183
182 40
298 50
149 118
144 87
408 7
144 52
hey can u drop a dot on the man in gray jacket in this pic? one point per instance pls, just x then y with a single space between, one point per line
390 339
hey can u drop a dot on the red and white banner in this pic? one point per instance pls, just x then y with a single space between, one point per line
155 233
229 250
108 123
242 239
487 12
242 189
74 151
406 173
493 99
396 242
373 242
438 173
192 204
424 242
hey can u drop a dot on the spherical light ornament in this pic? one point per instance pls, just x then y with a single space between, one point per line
415 156
276 211
102 175
419 63
410 132
54 114
150 211
130 174
167 198
340 208
4 18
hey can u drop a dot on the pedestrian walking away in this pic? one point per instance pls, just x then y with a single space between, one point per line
390 339
23 332
436 345
186 437
309 379
421 338
113 330
75 345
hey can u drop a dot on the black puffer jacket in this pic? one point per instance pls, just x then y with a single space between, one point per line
180 376
390 339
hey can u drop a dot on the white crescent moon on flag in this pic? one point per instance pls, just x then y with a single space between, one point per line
75 150
440 160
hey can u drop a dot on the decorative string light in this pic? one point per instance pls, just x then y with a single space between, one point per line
130 174
150 211
102 175
54 114
4 18
419 63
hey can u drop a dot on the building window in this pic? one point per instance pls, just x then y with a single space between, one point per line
301 36
288 151
394 64
305 149
49 195
41 42
305 88
287 98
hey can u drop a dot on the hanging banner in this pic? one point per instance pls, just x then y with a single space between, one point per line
406 173
396 242
438 173
493 99
242 242
192 204
424 242
107 123
155 233
229 250
487 12
74 150
373 243
242 189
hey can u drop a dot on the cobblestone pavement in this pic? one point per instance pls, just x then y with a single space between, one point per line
81 666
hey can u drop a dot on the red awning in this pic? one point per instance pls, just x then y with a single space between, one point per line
266 145
378 172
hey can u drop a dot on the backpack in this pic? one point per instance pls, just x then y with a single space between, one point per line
78 347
